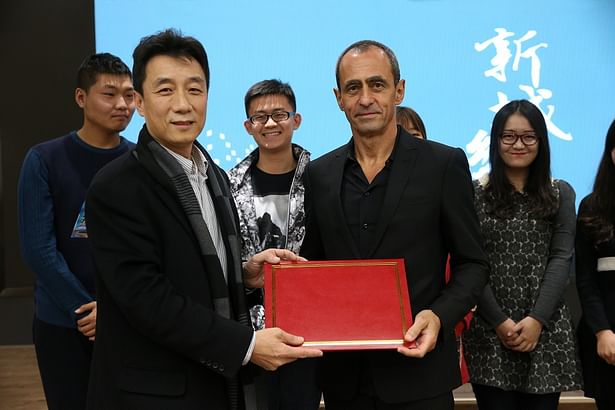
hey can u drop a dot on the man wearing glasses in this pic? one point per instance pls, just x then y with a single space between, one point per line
268 189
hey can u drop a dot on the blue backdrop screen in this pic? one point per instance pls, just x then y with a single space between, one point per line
461 60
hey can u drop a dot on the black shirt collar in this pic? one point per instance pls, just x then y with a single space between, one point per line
351 152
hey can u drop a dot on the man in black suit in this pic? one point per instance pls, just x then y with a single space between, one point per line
386 194
173 327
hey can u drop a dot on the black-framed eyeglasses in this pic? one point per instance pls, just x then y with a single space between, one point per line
276 116
511 138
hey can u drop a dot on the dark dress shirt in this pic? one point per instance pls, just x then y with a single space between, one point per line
362 200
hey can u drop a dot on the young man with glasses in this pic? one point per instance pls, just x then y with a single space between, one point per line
268 189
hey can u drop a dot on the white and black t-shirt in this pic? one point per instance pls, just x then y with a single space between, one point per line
271 206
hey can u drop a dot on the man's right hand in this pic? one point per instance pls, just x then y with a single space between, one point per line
253 269
274 347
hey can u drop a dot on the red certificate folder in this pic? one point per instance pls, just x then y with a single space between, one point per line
340 305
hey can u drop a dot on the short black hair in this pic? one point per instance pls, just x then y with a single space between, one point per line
169 42
270 87
97 64
364 45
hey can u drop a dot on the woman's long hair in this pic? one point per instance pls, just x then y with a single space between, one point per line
597 216
538 187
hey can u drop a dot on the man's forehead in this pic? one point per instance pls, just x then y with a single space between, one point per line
108 79
164 69
171 64
269 101
366 49
372 60
113 81
366 74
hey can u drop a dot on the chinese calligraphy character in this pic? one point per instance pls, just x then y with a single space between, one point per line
536 97
478 147
502 56
479 150
531 54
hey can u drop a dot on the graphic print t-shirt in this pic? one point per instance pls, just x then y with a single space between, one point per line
271 206
80 230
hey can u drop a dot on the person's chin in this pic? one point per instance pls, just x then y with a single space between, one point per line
369 128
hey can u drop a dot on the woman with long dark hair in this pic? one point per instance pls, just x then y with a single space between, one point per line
595 247
520 346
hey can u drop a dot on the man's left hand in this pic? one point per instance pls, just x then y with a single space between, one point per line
87 324
253 272
424 333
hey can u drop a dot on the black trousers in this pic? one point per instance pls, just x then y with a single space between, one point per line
63 357
605 404
367 399
292 386
488 398
364 402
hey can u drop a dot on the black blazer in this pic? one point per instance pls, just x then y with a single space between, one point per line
597 295
159 343
427 213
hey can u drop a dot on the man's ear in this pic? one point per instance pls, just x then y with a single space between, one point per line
338 98
80 97
139 103
248 126
296 121
400 91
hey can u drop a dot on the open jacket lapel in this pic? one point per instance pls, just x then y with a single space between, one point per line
189 218
337 174
227 218
166 190
402 167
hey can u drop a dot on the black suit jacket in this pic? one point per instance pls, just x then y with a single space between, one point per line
427 213
159 343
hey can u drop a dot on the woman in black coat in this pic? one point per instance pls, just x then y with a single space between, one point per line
595 249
